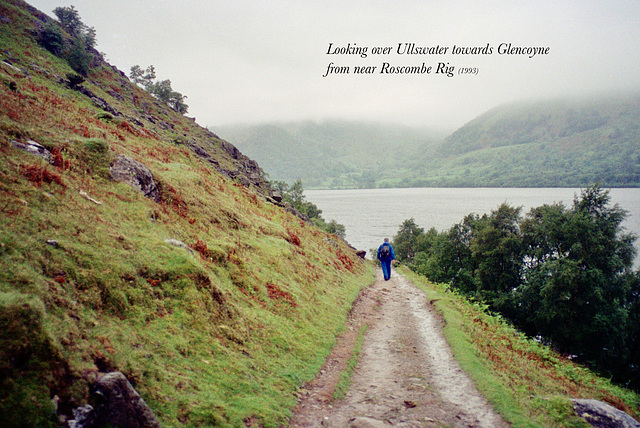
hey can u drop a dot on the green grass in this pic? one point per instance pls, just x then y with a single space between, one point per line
529 384
220 330
345 377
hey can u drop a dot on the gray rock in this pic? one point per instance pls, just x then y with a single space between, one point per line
83 417
136 175
602 415
120 405
277 196
117 404
35 149
178 243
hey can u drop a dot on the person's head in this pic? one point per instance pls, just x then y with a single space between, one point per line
386 239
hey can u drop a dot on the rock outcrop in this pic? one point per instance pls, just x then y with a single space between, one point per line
34 148
117 404
136 175
602 415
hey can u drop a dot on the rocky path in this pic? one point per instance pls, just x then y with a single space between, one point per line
406 375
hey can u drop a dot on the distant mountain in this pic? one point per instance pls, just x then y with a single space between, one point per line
331 154
565 142
555 143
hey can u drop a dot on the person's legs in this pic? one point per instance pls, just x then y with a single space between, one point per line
386 269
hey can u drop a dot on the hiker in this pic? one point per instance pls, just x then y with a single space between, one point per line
385 255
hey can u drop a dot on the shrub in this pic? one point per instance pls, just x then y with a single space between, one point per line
94 156
51 39
78 58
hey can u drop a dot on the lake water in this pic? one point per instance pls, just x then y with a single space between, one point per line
370 215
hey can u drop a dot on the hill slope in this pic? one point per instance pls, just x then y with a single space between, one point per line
566 142
554 143
331 154
214 302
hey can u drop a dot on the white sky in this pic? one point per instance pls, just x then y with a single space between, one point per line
242 61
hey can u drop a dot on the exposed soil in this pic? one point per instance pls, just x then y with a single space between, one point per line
406 375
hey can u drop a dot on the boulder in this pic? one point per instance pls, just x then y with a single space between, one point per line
276 196
602 415
136 175
116 403
35 149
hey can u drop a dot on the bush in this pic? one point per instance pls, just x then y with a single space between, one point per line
94 157
51 39
78 58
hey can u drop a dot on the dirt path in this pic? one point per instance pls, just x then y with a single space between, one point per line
406 375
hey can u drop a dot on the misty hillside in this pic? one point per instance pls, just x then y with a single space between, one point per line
565 142
331 154
556 143
134 240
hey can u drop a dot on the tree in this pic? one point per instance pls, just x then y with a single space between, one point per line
78 58
142 77
497 252
336 228
176 102
455 256
579 271
294 195
51 39
76 49
70 20
162 90
405 241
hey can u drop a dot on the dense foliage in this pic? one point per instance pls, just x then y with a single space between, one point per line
70 38
562 274
294 196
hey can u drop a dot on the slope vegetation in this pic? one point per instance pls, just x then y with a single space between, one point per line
215 302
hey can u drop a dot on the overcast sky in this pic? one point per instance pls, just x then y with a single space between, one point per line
241 61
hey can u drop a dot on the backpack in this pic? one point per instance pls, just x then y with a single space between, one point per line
385 252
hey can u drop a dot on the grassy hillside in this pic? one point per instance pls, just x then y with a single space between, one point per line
567 142
555 143
331 154
215 303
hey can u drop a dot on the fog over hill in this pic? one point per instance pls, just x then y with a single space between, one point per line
329 154
562 142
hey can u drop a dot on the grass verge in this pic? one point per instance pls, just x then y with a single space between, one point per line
345 377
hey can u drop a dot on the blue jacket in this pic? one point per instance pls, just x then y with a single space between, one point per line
393 254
